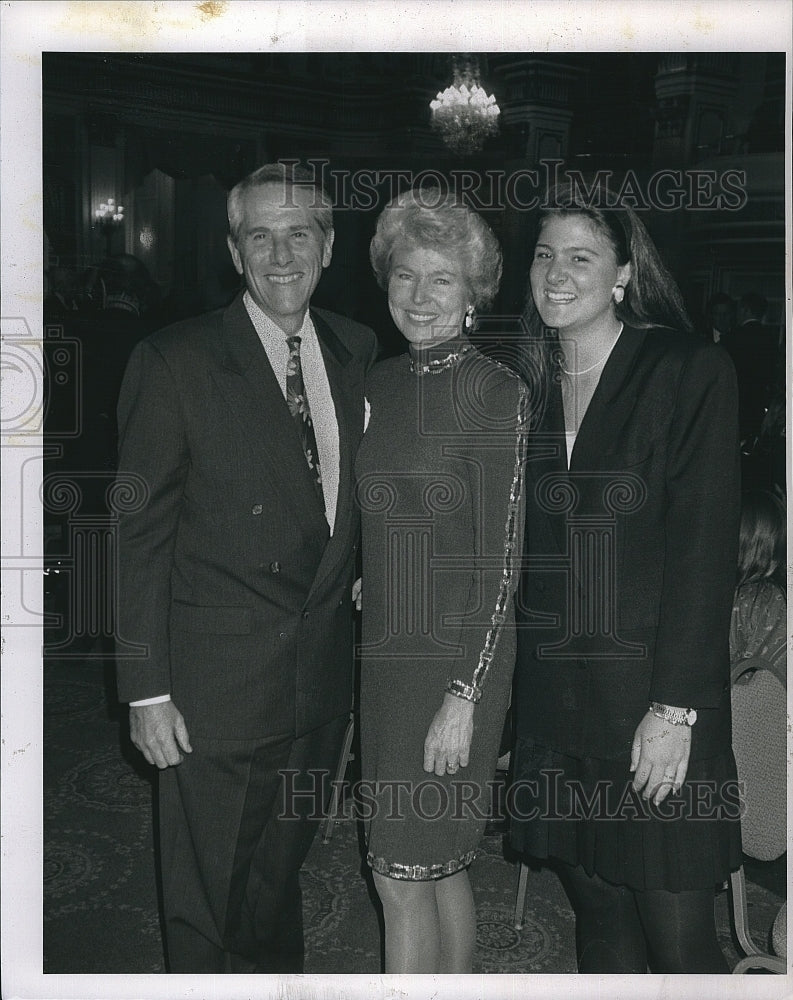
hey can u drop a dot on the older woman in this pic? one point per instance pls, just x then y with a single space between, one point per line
624 774
440 488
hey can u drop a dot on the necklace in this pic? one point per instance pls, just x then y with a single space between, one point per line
440 364
591 368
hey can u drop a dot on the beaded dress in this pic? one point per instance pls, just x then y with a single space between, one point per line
440 480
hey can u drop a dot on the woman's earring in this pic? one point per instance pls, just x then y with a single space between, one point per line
469 317
618 293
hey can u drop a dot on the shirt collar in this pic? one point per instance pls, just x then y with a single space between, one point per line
270 331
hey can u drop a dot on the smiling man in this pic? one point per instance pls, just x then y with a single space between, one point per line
236 575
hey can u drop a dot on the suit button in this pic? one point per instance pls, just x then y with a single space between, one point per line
275 567
257 508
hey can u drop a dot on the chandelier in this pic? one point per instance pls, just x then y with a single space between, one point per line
109 217
464 113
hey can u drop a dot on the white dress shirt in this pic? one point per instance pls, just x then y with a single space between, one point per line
320 400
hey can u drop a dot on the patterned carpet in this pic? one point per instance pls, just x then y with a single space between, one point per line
100 894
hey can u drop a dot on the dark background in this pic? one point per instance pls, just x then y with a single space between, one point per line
167 135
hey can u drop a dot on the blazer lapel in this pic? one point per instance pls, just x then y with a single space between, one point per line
611 402
252 391
547 463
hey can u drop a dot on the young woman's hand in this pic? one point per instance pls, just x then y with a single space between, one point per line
659 757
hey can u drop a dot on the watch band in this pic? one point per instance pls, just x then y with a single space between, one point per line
674 716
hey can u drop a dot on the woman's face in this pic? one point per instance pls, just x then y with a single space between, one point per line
427 294
573 274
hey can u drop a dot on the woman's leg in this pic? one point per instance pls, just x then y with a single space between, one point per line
457 922
680 928
412 925
609 934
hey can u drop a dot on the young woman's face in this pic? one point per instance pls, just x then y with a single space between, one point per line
427 294
573 274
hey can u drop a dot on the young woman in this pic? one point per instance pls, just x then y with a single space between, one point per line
624 778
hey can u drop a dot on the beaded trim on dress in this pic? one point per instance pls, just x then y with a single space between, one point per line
473 692
419 873
439 365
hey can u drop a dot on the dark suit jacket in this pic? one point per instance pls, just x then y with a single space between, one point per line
227 574
631 555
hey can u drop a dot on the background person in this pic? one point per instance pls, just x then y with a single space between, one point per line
758 673
720 316
752 347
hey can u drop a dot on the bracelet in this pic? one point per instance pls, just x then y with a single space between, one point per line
674 716
468 692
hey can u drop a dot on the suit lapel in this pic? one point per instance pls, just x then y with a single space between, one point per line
346 387
252 392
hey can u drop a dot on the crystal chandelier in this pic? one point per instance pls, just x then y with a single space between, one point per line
464 114
109 217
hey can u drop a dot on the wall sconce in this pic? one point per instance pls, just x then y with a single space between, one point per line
109 217
146 238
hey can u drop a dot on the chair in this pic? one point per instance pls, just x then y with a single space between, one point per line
341 769
755 958
759 735
523 870
520 898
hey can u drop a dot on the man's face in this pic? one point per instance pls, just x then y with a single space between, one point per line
281 251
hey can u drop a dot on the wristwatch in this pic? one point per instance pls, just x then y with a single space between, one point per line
674 716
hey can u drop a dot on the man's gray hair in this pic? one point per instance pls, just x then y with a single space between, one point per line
290 175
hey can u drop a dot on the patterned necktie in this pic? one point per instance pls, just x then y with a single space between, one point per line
297 401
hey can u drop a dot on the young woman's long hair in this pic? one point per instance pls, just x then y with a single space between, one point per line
763 539
652 298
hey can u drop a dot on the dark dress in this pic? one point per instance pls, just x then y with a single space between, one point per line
440 475
625 599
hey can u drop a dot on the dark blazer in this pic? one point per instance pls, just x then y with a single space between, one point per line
228 577
631 554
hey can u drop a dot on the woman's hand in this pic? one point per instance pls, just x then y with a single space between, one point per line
448 741
659 757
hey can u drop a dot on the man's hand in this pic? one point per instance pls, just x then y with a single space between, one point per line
159 732
356 594
659 757
448 741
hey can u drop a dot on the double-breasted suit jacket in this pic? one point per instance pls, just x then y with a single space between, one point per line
631 552
228 577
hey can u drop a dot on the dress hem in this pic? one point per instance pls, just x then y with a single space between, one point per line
419 873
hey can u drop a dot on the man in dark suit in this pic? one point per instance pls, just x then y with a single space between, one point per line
237 564
752 347
719 315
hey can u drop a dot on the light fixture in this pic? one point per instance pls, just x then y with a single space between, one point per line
109 212
146 238
465 114
109 217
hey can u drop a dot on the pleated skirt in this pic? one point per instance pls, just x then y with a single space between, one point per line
584 812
